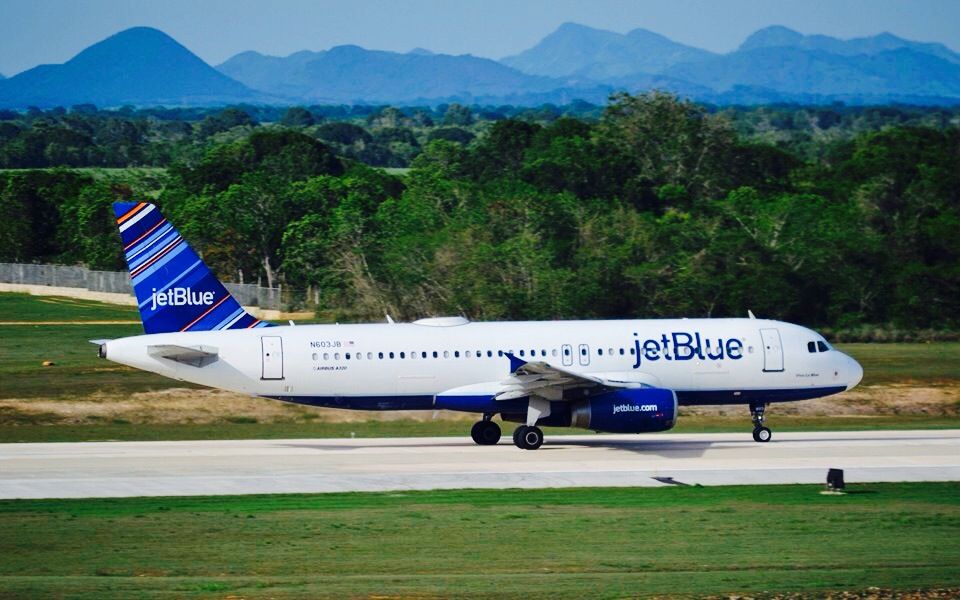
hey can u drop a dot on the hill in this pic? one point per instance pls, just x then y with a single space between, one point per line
136 66
891 74
354 74
779 36
579 51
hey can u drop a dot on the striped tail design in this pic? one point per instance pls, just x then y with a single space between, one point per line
175 290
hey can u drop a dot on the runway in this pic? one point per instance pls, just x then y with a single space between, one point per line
119 469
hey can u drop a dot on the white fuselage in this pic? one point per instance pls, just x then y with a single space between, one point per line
384 366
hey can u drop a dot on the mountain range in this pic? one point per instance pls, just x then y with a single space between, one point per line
144 66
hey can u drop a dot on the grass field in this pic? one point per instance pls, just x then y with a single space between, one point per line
78 375
570 543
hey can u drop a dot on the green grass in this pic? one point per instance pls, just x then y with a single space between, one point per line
926 363
568 543
77 372
31 309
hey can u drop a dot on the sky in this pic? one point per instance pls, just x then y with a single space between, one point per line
36 32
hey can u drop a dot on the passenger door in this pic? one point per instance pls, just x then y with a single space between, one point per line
271 348
772 351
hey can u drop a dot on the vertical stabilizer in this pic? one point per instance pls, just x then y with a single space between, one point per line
175 290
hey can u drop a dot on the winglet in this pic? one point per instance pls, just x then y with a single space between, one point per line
515 363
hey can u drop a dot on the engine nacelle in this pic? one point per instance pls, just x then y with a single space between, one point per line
637 410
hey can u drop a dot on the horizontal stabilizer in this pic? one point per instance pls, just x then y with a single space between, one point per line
197 356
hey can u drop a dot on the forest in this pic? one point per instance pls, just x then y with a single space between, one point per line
844 218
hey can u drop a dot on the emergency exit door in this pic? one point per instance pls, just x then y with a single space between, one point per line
272 354
567 350
772 351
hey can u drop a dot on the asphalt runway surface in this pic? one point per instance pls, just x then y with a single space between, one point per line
121 469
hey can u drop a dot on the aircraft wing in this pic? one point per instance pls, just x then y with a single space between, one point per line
549 381
197 356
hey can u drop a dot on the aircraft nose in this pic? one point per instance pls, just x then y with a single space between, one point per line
855 372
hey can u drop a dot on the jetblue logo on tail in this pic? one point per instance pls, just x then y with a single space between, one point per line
179 296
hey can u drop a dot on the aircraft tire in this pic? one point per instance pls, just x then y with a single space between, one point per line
476 433
531 438
516 436
489 433
762 434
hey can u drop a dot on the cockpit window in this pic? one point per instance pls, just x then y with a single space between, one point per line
811 347
822 346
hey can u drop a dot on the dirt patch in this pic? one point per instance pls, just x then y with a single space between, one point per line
179 405
866 401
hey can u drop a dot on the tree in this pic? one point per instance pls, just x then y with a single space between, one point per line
457 115
298 117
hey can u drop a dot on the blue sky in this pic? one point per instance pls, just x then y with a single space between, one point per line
51 31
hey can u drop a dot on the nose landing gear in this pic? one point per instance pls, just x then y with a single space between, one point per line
760 433
485 432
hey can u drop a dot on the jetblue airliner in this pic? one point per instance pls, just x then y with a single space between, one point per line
624 376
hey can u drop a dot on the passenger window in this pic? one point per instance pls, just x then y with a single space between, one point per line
403 355
822 346
435 354
380 355
521 353
446 354
326 356
369 355
553 352
314 356
456 354
391 355
359 356
811 347
599 351
336 356
468 355
423 355
566 351
633 351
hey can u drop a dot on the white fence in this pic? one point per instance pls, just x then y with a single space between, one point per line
118 282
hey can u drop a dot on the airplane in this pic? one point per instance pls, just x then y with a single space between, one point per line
614 376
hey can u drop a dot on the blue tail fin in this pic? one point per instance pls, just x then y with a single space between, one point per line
175 290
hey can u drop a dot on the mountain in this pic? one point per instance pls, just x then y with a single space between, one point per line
584 52
779 36
136 66
791 70
2 77
353 74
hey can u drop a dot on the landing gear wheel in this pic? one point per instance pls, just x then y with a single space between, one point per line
760 433
485 433
527 437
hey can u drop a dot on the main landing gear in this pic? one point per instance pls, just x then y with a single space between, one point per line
760 433
528 437
485 432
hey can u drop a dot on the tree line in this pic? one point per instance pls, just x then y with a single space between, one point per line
657 207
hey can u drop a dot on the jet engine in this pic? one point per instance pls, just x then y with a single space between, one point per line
638 410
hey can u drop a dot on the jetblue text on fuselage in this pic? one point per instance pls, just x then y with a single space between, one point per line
179 296
680 345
